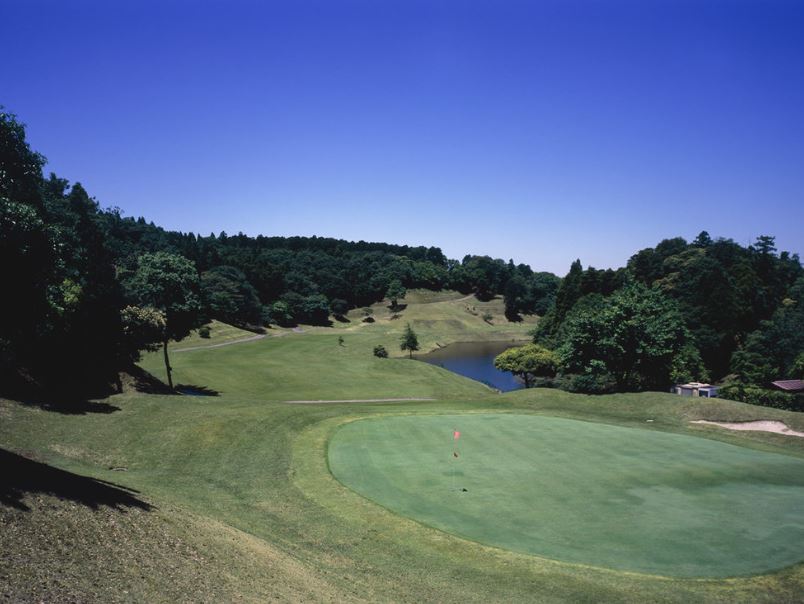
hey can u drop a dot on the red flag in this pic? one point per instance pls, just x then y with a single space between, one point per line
456 435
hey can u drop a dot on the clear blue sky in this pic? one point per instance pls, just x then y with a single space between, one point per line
538 131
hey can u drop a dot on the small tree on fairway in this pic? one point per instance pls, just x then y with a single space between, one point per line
409 340
396 291
168 283
528 361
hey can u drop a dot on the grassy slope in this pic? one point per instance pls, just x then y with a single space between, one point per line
243 482
289 365
219 333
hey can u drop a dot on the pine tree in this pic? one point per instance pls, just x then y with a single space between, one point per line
409 340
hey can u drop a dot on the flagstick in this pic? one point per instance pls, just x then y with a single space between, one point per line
454 456
454 459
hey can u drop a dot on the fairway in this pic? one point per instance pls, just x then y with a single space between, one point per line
582 492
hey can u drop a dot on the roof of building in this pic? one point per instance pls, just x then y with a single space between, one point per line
789 385
698 385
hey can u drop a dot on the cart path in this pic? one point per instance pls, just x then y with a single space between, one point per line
258 336
360 400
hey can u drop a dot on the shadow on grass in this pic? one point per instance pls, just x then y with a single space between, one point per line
68 406
193 390
142 381
21 476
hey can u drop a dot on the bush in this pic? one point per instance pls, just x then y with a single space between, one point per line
380 352
204 331
764 397
595 379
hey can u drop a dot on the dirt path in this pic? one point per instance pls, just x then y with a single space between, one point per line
359 400
258 336
758 426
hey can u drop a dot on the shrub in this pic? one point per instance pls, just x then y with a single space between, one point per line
204 331
595 379
380 352
754 395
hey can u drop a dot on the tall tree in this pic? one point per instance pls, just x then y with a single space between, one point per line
229 297
395 292
637 333
168 283
410 341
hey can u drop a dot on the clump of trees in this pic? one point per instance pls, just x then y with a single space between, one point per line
635 339
704 310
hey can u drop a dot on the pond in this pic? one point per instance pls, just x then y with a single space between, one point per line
475 360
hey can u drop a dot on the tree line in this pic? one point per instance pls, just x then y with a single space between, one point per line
87 289
710 309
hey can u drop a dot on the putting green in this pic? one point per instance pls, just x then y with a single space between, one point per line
582 492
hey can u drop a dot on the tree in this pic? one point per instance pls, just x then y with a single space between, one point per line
772 351
281 314
637 334
514 295
315 310
395 292
339 307
229 297
410 341
143 328
528 362
797 371
20 167
168 283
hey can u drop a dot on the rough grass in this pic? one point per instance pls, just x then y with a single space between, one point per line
240 485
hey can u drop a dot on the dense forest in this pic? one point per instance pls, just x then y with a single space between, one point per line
87 289
93 288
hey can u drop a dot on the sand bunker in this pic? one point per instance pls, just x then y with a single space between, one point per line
758 426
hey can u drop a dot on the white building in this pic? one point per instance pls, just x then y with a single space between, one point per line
695 389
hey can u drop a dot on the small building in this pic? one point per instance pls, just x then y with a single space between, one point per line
695 389
790 386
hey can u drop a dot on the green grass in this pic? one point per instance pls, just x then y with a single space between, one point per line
245 505
589 493
288 365
219 333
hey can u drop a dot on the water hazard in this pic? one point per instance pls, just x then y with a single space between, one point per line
475 360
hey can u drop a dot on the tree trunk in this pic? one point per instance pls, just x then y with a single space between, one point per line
526 377
168 368
410 352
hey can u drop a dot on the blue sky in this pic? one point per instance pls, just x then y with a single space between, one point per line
538 131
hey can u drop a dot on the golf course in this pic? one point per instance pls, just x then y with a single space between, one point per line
267 488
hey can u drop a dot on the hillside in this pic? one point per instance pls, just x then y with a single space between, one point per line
230 497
